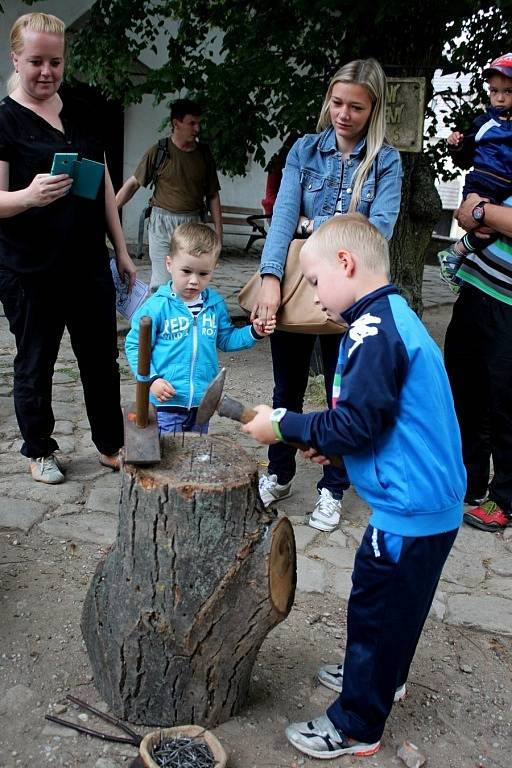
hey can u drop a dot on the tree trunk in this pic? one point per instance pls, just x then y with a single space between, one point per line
420 210
198 576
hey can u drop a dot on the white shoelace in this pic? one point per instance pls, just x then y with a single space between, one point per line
47 464
267 482
327 505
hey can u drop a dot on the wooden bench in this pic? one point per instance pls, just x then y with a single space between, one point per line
246 222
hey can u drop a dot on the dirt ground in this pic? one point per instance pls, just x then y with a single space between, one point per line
458 710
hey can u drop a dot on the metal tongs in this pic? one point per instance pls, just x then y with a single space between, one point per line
131 738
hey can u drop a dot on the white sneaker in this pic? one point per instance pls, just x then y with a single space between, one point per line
46 469
320 738
271 490
327 512
331 675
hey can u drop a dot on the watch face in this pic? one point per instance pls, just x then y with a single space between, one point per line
277 414
478 212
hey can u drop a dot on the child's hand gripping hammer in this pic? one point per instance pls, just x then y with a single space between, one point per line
214 400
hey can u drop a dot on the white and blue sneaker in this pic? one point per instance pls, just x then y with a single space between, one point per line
321 739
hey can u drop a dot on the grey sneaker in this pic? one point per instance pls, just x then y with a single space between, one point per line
327 512
47 470
271 491
331 675
319 738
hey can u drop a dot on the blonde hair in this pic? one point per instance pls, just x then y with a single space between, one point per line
37 22
195 239
353 233
369 74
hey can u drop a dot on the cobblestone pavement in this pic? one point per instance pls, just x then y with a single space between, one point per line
476 589
476 586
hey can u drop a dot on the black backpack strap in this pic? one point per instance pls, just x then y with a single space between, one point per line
161 157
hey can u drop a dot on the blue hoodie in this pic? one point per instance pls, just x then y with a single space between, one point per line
393 420
184 348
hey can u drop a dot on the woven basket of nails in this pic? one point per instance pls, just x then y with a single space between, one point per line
161 747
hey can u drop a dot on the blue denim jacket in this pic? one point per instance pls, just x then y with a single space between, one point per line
312 178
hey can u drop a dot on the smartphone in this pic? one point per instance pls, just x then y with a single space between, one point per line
64 162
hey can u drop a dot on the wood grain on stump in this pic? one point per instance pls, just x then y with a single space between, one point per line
198 576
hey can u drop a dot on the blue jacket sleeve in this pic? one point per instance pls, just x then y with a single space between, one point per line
131 345
372 378
230 338
285 217
386 204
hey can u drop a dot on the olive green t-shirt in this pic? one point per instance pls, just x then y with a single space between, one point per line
185 179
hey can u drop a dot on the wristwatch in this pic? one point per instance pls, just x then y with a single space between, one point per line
275 419
478 212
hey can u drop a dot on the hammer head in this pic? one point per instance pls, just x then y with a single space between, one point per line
211 398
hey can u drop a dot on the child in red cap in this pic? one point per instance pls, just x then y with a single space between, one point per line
487 146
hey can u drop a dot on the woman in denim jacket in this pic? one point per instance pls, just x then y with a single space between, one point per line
346 167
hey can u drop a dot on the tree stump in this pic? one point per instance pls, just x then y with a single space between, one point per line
199 574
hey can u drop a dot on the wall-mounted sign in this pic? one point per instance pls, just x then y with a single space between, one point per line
405 113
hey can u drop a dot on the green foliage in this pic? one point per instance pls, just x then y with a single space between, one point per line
261 67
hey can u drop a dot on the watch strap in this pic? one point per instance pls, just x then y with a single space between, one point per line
277 431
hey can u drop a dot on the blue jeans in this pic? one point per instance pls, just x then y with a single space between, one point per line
170 420
291 358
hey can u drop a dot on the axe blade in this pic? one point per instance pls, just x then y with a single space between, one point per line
211 398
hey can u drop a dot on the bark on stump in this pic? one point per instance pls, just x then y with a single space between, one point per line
199 574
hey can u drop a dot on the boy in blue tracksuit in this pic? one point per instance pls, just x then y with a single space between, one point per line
190 321
394 423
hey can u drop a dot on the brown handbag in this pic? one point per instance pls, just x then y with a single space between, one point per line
298 312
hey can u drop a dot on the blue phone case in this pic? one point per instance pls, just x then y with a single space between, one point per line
64 162
88 176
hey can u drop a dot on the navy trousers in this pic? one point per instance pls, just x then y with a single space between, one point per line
291 360
394 582
39 307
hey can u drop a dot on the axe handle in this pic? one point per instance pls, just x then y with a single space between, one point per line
235 410
143 368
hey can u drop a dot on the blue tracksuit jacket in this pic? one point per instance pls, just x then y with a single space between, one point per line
393 420
487 146
184 348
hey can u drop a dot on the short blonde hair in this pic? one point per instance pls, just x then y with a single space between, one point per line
37 22
195 239
352 232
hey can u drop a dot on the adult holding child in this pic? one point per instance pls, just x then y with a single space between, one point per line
54 265
345 167
478 357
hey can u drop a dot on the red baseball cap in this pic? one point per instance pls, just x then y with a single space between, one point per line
502 65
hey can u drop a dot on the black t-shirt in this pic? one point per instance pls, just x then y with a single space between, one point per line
71 228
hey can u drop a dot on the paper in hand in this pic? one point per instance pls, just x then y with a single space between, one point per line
127 302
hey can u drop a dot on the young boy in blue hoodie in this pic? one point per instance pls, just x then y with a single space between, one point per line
190 322
393 421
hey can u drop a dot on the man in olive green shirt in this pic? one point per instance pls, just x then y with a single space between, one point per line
184 181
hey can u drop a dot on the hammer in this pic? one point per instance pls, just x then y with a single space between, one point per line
214 400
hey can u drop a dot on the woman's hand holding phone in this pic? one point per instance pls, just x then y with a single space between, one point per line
45 189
